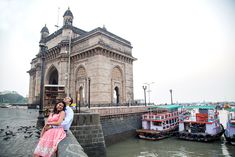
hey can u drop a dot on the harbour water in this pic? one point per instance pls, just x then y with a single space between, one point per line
23 136
172 147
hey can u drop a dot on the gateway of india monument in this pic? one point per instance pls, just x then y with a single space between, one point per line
93 67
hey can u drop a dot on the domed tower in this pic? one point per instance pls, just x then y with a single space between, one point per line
68 17
44 32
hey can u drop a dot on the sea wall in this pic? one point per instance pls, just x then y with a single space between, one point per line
119 127
87 129
95 132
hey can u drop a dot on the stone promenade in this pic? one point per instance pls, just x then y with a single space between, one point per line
19 136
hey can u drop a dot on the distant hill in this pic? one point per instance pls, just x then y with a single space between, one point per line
12 97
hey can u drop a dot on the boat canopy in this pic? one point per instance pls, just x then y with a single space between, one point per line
231 109
209 107
168 107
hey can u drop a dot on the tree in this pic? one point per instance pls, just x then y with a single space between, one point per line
12 97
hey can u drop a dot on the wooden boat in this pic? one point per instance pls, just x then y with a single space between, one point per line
160 122
200 123
229 133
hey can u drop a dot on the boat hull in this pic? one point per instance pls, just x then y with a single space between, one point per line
230 139
154 135
201 137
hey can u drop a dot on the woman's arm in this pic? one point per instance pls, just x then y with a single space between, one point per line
57 123
46 126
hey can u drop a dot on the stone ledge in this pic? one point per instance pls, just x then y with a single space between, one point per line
69 147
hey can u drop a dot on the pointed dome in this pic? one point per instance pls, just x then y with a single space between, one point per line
68 13
45 29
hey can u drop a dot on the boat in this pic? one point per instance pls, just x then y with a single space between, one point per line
5 105
200 123
229 133
159 122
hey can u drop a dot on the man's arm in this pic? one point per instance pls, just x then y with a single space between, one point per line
68 117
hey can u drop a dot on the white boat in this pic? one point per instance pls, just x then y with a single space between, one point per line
229 133
200 123
5 106
160 122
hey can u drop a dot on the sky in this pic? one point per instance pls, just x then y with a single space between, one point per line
184 45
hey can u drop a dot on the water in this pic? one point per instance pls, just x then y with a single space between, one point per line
172 147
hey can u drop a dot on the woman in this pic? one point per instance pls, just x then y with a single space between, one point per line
50 137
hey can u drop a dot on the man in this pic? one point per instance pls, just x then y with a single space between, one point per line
68 114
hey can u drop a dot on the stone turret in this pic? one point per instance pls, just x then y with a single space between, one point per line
68 17
44 32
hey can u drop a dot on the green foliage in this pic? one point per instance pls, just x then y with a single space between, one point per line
12 98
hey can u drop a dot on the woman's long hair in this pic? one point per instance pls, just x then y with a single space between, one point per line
55 111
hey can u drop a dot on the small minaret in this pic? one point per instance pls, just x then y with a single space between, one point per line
44 33
68 17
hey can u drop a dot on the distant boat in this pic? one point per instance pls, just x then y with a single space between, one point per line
5 105
200 123
160 122
229 133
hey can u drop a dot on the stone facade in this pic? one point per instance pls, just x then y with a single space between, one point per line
78 60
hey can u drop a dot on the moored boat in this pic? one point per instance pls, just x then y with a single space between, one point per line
5 105
200 123
160 122
229 133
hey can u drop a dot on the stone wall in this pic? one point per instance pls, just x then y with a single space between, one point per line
70 147
87 129
119 127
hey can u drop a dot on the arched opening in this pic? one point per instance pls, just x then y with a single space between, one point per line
81 95
116 95
81 85
117 85
52 76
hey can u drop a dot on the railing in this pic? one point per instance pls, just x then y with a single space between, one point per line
103 111
118 105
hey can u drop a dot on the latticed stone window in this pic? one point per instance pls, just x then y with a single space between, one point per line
116 74
81 72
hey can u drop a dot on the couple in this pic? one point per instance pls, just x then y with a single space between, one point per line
55 129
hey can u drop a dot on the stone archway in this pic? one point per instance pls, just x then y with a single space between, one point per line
52 76
81 87
116 95
117 85
81 94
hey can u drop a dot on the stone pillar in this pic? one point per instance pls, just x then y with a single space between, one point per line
87 129
31 89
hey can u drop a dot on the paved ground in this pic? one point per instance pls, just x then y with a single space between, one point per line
18 134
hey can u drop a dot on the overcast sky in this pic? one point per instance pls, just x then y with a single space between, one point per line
184 45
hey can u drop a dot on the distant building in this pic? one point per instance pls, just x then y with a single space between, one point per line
98 55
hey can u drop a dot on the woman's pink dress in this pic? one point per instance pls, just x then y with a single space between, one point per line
48 142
